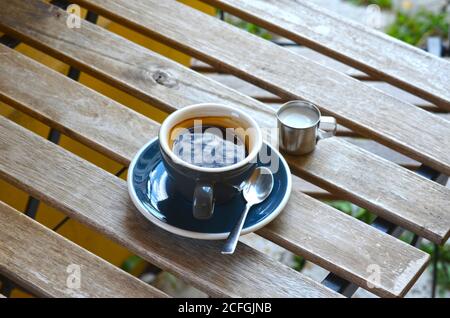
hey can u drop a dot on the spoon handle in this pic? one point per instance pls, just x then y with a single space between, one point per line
233 237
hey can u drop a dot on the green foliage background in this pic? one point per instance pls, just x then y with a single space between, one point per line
415 28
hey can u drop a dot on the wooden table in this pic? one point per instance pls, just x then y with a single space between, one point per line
36 258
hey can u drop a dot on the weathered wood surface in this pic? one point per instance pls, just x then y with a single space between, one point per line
265 96
274 101
383 152
79 116
134 69
432 205
303 51
359 107
403 95
39 259
445 116
101 201
80 121
72 119
355 44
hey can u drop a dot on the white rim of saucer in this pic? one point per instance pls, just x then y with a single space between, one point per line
198 235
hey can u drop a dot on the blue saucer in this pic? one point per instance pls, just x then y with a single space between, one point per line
154 194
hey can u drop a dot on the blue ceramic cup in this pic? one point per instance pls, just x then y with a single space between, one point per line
207 186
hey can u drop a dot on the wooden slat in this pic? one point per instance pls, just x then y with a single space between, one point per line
383 152
445 116
303 51
312 190
101 201
418 204
244 87
402 95
355 44
263 95
134 69
323 249
315 56
359 107
37 259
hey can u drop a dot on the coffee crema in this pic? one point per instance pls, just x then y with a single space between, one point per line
209 142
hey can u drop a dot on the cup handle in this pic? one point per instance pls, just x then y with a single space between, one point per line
203 206
329 132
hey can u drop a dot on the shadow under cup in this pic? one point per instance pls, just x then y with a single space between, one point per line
204 183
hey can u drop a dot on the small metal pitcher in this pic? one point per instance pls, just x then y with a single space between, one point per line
299 127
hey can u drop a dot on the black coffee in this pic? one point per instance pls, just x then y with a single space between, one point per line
209 146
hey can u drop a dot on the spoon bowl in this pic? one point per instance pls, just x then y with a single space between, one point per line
259 186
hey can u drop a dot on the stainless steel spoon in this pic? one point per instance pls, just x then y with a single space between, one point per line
256 190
